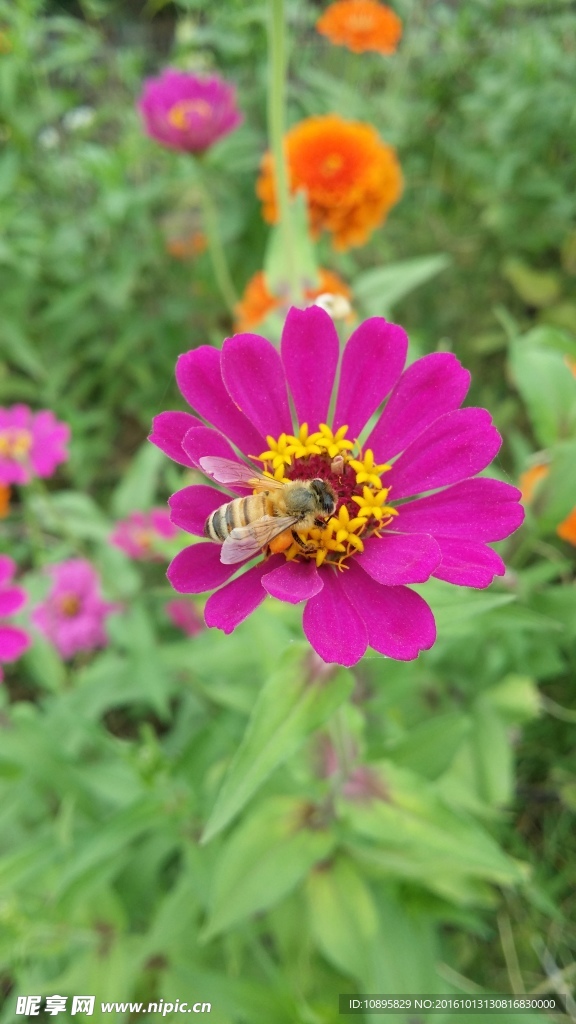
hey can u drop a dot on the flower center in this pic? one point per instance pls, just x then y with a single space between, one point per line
15 443
143 538
361 508
332 163
69 605
179 115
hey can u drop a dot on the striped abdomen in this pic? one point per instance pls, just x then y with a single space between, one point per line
239 512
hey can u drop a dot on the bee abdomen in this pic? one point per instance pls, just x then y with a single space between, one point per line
224 519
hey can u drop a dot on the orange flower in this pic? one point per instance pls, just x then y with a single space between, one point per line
352 178
4 501
186 247
529 480
566 530
257 302
571 364
361 25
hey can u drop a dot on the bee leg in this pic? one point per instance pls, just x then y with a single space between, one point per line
306 548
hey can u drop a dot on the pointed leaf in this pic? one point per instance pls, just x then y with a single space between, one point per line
263 860
290 706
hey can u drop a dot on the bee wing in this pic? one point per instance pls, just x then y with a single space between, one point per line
236 474
244 541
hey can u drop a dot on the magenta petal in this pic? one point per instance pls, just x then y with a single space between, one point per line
168 431
396 558
372 362
432 386
237 600
254 376
204 441
198 568
199 377
293 582
191 507
12 600
7 568
332 625
310 350
13 642
468 563
454 447
399 622
483 509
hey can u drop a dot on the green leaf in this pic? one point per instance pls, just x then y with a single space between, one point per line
456 612
492 755
263 860
138 486
45 665
19 350
535 287
556 497
546 385
343 916
71 514
430 746
415 822
516 698
377 291
290 706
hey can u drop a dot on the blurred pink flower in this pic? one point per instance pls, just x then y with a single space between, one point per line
137 534
13 641
73 614
184 616
188 112
31 444
409 502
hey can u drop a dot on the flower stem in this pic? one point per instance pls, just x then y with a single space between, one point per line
276 131
215 247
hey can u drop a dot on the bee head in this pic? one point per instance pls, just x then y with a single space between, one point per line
324 495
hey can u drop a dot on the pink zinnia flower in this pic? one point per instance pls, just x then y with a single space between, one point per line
31 444
73 614
408 504
184 616
13 641
188 112
137 534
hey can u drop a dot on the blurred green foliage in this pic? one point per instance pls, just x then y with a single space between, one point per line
182 817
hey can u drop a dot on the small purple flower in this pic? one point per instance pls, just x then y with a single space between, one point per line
73 614
13 641
188 112
137 534
410 505
184 616
31 444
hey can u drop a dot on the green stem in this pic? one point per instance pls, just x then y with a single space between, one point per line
215 247
343 747
276 131
35 534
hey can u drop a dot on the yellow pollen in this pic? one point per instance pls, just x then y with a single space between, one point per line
178 115
69 605
15 443
332 163
143 537
372 504
367 471
333 444
330 453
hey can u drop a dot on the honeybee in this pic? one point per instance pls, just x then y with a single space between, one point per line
244 526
